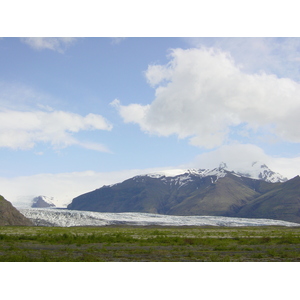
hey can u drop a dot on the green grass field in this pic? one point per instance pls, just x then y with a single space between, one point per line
173 244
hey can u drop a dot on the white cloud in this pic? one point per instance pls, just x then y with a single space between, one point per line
240 156
235 156
26 119
131 113
157 74
58 44
201 94
22 130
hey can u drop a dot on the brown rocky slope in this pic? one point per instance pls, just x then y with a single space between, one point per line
9 215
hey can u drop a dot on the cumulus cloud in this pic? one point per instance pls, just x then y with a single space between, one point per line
58 44
135 113
26 119
201 94
22 130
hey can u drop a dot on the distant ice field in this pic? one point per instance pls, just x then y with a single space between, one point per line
68 218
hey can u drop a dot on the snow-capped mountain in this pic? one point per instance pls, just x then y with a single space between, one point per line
43 201
259 170
255 170
203 192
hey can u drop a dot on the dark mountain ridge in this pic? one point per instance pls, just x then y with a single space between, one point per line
282 202
217 192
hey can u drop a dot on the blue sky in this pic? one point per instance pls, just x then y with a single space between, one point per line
92 111
82 78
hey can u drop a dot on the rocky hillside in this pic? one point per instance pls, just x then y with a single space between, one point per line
9 215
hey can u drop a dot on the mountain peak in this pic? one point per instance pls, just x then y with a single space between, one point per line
223 166
42 201
259 170
254 170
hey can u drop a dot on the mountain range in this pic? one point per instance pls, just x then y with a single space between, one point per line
256 192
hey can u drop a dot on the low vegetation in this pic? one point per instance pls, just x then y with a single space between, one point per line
124 243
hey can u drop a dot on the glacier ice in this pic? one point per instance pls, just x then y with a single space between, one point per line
68 218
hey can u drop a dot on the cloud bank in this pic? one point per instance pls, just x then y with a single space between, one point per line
63 186
239 157
202 94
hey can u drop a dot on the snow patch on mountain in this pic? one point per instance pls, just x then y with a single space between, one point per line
258 170
167 173
180 177
218 172
67 218
181 180
255 170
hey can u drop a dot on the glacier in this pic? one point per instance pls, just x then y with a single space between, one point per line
68 218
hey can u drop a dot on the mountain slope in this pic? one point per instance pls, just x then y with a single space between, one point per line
221 198
9 215
281 203
216 192
138 194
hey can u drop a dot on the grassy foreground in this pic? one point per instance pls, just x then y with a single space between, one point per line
123 243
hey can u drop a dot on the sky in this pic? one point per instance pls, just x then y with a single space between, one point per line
78 113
